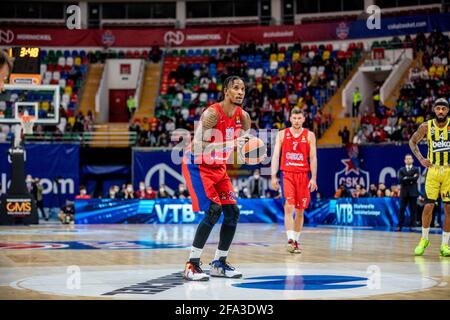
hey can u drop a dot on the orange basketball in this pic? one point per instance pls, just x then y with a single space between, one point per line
254 151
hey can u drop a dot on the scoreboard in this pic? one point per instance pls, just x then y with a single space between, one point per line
26 65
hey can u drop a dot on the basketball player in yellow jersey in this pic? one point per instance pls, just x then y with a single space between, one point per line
437 180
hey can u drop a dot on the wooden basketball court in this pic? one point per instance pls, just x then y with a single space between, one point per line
145 261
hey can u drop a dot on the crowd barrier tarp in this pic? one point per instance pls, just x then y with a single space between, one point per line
57 166
172 211
372 212
377 164
216 36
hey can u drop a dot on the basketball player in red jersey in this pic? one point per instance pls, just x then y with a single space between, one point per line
222 126
296 145
5 68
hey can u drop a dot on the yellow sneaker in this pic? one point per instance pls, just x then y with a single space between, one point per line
420 249
445 250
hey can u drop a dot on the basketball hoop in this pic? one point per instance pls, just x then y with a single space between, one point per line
27 122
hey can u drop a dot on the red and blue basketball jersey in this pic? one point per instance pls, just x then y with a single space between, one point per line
295 152
206 176
295 167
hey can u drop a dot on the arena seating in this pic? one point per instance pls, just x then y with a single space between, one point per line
414 105
304 76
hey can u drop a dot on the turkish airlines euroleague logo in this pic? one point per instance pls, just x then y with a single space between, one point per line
18 206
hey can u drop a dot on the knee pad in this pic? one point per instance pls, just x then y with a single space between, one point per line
231 214
213 213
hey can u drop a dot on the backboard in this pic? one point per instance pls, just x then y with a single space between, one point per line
41 101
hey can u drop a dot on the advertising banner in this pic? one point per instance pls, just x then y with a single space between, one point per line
369 212
146 37
375 164
172 211
56 165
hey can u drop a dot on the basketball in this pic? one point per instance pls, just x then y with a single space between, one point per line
254 151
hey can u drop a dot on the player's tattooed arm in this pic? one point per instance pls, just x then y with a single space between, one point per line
205 131
414 144
276 160
312 161
246 122
245 131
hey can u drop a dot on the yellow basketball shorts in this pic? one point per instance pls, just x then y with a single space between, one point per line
437 182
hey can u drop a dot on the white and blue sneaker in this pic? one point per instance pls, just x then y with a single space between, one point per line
223 270
193 272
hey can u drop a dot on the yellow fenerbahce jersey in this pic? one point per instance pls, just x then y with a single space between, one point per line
438 143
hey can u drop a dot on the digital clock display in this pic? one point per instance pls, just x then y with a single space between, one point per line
26 60
29 52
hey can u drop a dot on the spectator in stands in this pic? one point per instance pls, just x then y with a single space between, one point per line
359 192
376 97
83 193
131 106
140 194
150 193
373 190
359 137
382 188
112 193
37 191
5 68
182 192
378 135
29 182
67 213
155 53
163 140
255 185
342 192
236 191
345 135
395 191
79 123
89 122
245 193
170 126
129 192
357 99
162 192
119 194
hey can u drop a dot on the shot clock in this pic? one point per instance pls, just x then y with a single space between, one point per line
27 65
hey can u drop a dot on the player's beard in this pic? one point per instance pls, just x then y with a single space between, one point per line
442 119
236 102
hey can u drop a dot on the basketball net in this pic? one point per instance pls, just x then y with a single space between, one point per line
25 128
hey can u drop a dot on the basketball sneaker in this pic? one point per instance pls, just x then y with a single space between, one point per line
445 250
297 248
193 272
223 269
292 247
420 249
